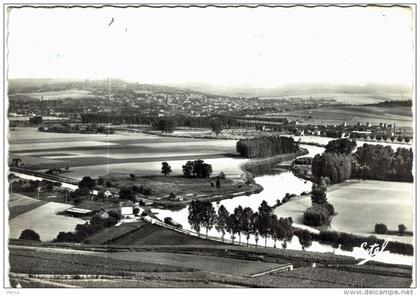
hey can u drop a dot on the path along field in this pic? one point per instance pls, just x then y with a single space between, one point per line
362 204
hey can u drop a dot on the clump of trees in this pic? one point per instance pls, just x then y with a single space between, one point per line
243 221
380 162
303 161
166 169
335 163
129 193
165 125
29 234
342 146
381 228
35 120
86 185
197 169
375 162
335 166
266 146
402 229
84 231
216 127
67 128
305 238
321 211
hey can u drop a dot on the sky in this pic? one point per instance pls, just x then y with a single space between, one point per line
262 47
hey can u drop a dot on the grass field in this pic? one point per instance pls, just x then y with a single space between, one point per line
188 188
19 204
97 155
155 235
44 220
360 205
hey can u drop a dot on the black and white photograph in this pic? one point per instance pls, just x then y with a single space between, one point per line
209 146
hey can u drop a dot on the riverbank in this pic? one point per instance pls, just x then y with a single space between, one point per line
360 204
251 186
271 160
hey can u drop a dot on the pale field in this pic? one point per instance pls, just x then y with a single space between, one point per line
230 166
56 145
97 154
16 199
53 95
362 204
44 221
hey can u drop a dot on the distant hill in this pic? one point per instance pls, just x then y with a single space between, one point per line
27 89
341 92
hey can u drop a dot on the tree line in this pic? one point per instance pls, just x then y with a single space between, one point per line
348 241
376 162
243 221
266 146
379 162
184 121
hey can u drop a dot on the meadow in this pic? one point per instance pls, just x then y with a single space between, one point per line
19 204
44 220
97 155
360 205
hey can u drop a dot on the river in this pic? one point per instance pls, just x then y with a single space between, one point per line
276 183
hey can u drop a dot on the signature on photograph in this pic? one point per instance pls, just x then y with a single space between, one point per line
372 250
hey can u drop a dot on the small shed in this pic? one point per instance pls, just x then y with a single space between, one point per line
78 212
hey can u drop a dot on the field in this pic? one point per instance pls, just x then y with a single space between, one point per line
44 220
329 277
187 188
19 204
402 116
97 155
180 267
360 205
146 235
53 95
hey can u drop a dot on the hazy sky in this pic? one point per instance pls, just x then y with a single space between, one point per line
263 47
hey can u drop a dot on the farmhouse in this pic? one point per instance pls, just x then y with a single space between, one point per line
126 209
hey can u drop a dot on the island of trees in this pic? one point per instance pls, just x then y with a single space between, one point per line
266 146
